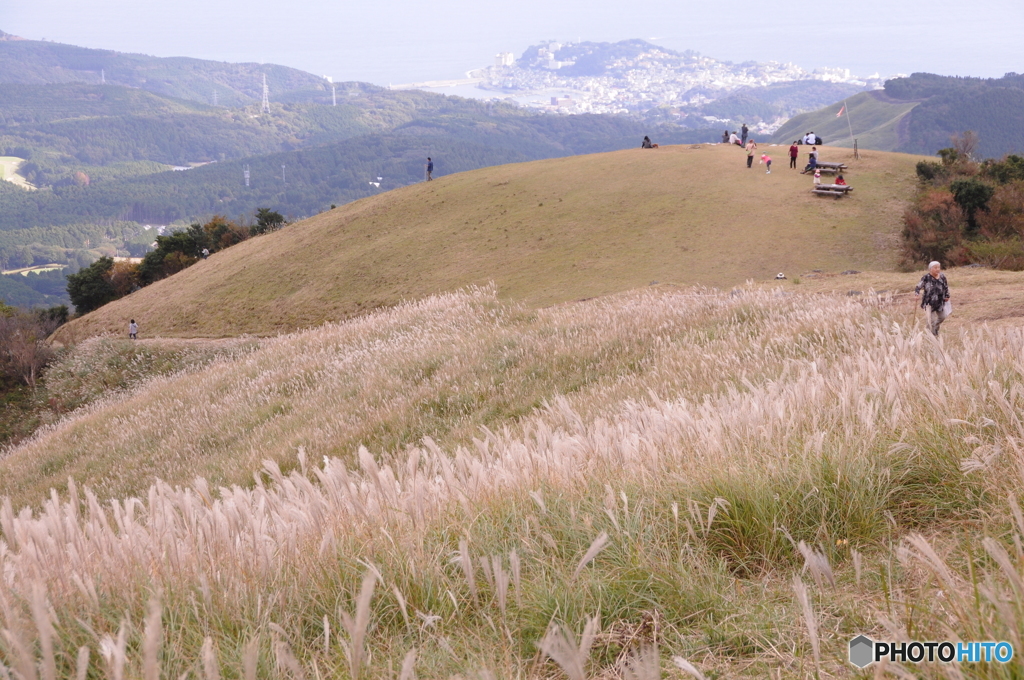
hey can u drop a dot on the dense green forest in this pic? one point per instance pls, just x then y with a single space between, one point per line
44 289
991 107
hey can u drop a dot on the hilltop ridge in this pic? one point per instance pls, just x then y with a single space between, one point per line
544 232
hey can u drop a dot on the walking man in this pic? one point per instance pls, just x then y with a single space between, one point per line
751 145
430 169
935 301
744 131
133 330
794 151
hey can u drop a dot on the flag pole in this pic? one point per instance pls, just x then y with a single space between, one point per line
848 120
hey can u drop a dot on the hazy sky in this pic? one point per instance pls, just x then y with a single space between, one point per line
402 41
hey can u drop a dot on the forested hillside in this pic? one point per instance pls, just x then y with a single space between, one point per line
920 114
317 176
100 157
38 62
97 156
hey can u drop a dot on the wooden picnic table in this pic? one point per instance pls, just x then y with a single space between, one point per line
827 168
837 190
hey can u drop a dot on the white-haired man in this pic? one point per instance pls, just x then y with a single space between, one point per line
936 294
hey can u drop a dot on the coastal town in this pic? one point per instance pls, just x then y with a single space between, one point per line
635 77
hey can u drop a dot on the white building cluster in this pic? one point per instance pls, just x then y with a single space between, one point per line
650 79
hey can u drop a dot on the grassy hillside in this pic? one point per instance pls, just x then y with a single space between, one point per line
920 113
735 483
874 117
544 232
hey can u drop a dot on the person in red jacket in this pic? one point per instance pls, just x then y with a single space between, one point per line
794 151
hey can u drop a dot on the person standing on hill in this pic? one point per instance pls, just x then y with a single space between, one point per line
935 301
133 330
430 169
794 151
744 131
767 160
751 145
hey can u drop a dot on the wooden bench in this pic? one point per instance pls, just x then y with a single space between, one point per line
832 166
836 190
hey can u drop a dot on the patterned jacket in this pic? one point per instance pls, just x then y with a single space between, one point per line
936 291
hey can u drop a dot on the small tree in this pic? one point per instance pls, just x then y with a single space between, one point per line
222 233
124 278
267 220
965 144
173 253
90 288
971 195
23 348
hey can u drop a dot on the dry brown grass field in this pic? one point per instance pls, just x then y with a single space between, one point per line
543 232
708 484
568 473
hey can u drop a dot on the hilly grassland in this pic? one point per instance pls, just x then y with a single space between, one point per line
705 484
874 118
543 232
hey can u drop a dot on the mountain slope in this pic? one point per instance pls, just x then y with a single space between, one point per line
920 113
544 232
36 62
874 118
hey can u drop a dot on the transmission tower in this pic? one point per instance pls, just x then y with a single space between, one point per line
282 174
246 173
334 96
266 95
215 98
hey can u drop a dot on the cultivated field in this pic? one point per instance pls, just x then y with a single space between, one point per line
702 483
543 233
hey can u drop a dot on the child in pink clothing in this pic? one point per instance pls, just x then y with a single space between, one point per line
767 160
817 177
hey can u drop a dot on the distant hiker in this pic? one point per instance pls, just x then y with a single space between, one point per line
751 145
133 330
430 169
840 181
817 177
745 131
647 143
734 139
725 137
794 151
767 160
206 253
935 301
